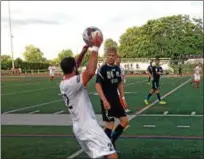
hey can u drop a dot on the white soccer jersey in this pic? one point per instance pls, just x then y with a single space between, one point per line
51 70
197 73
198 70
89 134
122 69
78 103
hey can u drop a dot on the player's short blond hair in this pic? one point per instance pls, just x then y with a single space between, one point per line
112 50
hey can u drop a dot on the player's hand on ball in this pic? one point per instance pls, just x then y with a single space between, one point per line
97 40
106 105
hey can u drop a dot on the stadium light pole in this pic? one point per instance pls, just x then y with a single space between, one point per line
11 36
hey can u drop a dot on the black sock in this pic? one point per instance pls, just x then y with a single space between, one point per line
158 96
108 132
116 133
149 95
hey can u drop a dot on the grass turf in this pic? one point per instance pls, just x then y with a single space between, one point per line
183 101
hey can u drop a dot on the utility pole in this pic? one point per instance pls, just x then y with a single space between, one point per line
11 36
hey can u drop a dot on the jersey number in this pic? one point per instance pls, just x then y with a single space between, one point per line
110 146
110 74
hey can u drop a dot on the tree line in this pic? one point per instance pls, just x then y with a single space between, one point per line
171 37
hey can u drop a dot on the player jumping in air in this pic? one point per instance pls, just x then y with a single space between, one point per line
196 75
149 70
108 82
122 69
88 132
155 77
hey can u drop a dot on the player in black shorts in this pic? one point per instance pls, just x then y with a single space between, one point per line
108 82
155 76
149 70
180 71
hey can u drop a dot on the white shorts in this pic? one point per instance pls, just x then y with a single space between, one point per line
196 77
52 74
95 143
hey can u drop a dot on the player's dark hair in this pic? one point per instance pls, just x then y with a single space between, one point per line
67 65
111 49
157 59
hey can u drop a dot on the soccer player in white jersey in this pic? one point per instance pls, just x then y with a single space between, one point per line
197 74
51 71
88 132
122 69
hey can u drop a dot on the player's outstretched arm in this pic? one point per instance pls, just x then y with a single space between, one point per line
93 60
81 55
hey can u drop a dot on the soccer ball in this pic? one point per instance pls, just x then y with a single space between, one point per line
90 33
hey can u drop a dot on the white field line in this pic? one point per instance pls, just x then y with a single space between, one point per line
136 114
95 93
19 85
36 111
28 91
59 112
126 127
183 126
169 115
42 104
164 96
33 106
75 154
16 85
166 112
193 113
149 126
134 83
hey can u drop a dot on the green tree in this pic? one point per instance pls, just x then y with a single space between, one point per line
65 53
33 54
18 62
165 37
109 43
6 62
6 57
54 61
85 59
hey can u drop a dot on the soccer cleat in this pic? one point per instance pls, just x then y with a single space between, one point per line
162 102
148 83
146 101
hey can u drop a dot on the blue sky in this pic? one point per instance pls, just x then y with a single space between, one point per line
53 26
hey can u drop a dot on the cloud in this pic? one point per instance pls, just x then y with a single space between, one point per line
53 26
197 3
31 21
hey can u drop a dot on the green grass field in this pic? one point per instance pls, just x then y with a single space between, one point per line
178 134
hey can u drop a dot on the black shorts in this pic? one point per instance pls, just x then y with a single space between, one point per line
116 111
155 84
